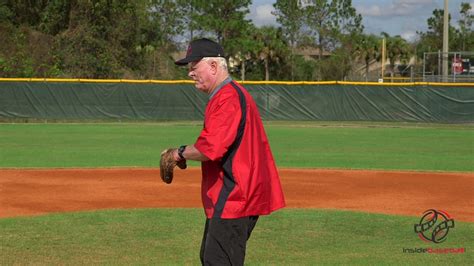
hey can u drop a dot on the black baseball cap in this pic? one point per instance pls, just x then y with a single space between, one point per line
199 49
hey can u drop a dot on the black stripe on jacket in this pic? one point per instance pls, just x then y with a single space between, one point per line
229 180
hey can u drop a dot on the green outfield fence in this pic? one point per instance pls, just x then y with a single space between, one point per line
92 99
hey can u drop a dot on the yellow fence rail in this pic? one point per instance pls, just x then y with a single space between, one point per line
150 81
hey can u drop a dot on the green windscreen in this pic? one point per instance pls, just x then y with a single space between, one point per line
335 102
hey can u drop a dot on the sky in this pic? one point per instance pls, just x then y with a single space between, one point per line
396 17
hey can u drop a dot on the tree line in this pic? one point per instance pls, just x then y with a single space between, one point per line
140 39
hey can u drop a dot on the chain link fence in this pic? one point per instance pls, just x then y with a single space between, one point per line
460 67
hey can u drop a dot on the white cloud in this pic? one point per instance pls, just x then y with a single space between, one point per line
409 35
262 15
395 8
374 11
413 2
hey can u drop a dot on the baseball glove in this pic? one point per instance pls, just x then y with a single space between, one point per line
167 164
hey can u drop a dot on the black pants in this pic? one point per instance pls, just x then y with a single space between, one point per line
225 240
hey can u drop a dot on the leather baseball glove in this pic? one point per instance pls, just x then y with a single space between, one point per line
167 164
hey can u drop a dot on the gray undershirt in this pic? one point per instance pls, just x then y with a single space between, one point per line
223 83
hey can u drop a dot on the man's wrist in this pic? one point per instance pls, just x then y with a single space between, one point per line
181 151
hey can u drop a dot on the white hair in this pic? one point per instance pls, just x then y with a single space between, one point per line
220 61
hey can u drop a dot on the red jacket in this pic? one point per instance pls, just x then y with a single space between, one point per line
241 178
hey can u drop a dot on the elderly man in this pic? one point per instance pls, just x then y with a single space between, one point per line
240 181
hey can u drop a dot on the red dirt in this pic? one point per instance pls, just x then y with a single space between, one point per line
36 192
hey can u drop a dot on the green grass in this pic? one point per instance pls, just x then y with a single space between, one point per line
302 145
288 237
172 237
424 148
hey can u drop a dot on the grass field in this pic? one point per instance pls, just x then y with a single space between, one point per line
308 145
172 236
288 237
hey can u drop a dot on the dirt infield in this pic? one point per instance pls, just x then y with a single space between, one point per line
35 192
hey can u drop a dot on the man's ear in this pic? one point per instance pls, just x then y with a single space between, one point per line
214 67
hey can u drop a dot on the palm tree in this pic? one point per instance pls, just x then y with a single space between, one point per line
272 47
368 48
398 49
